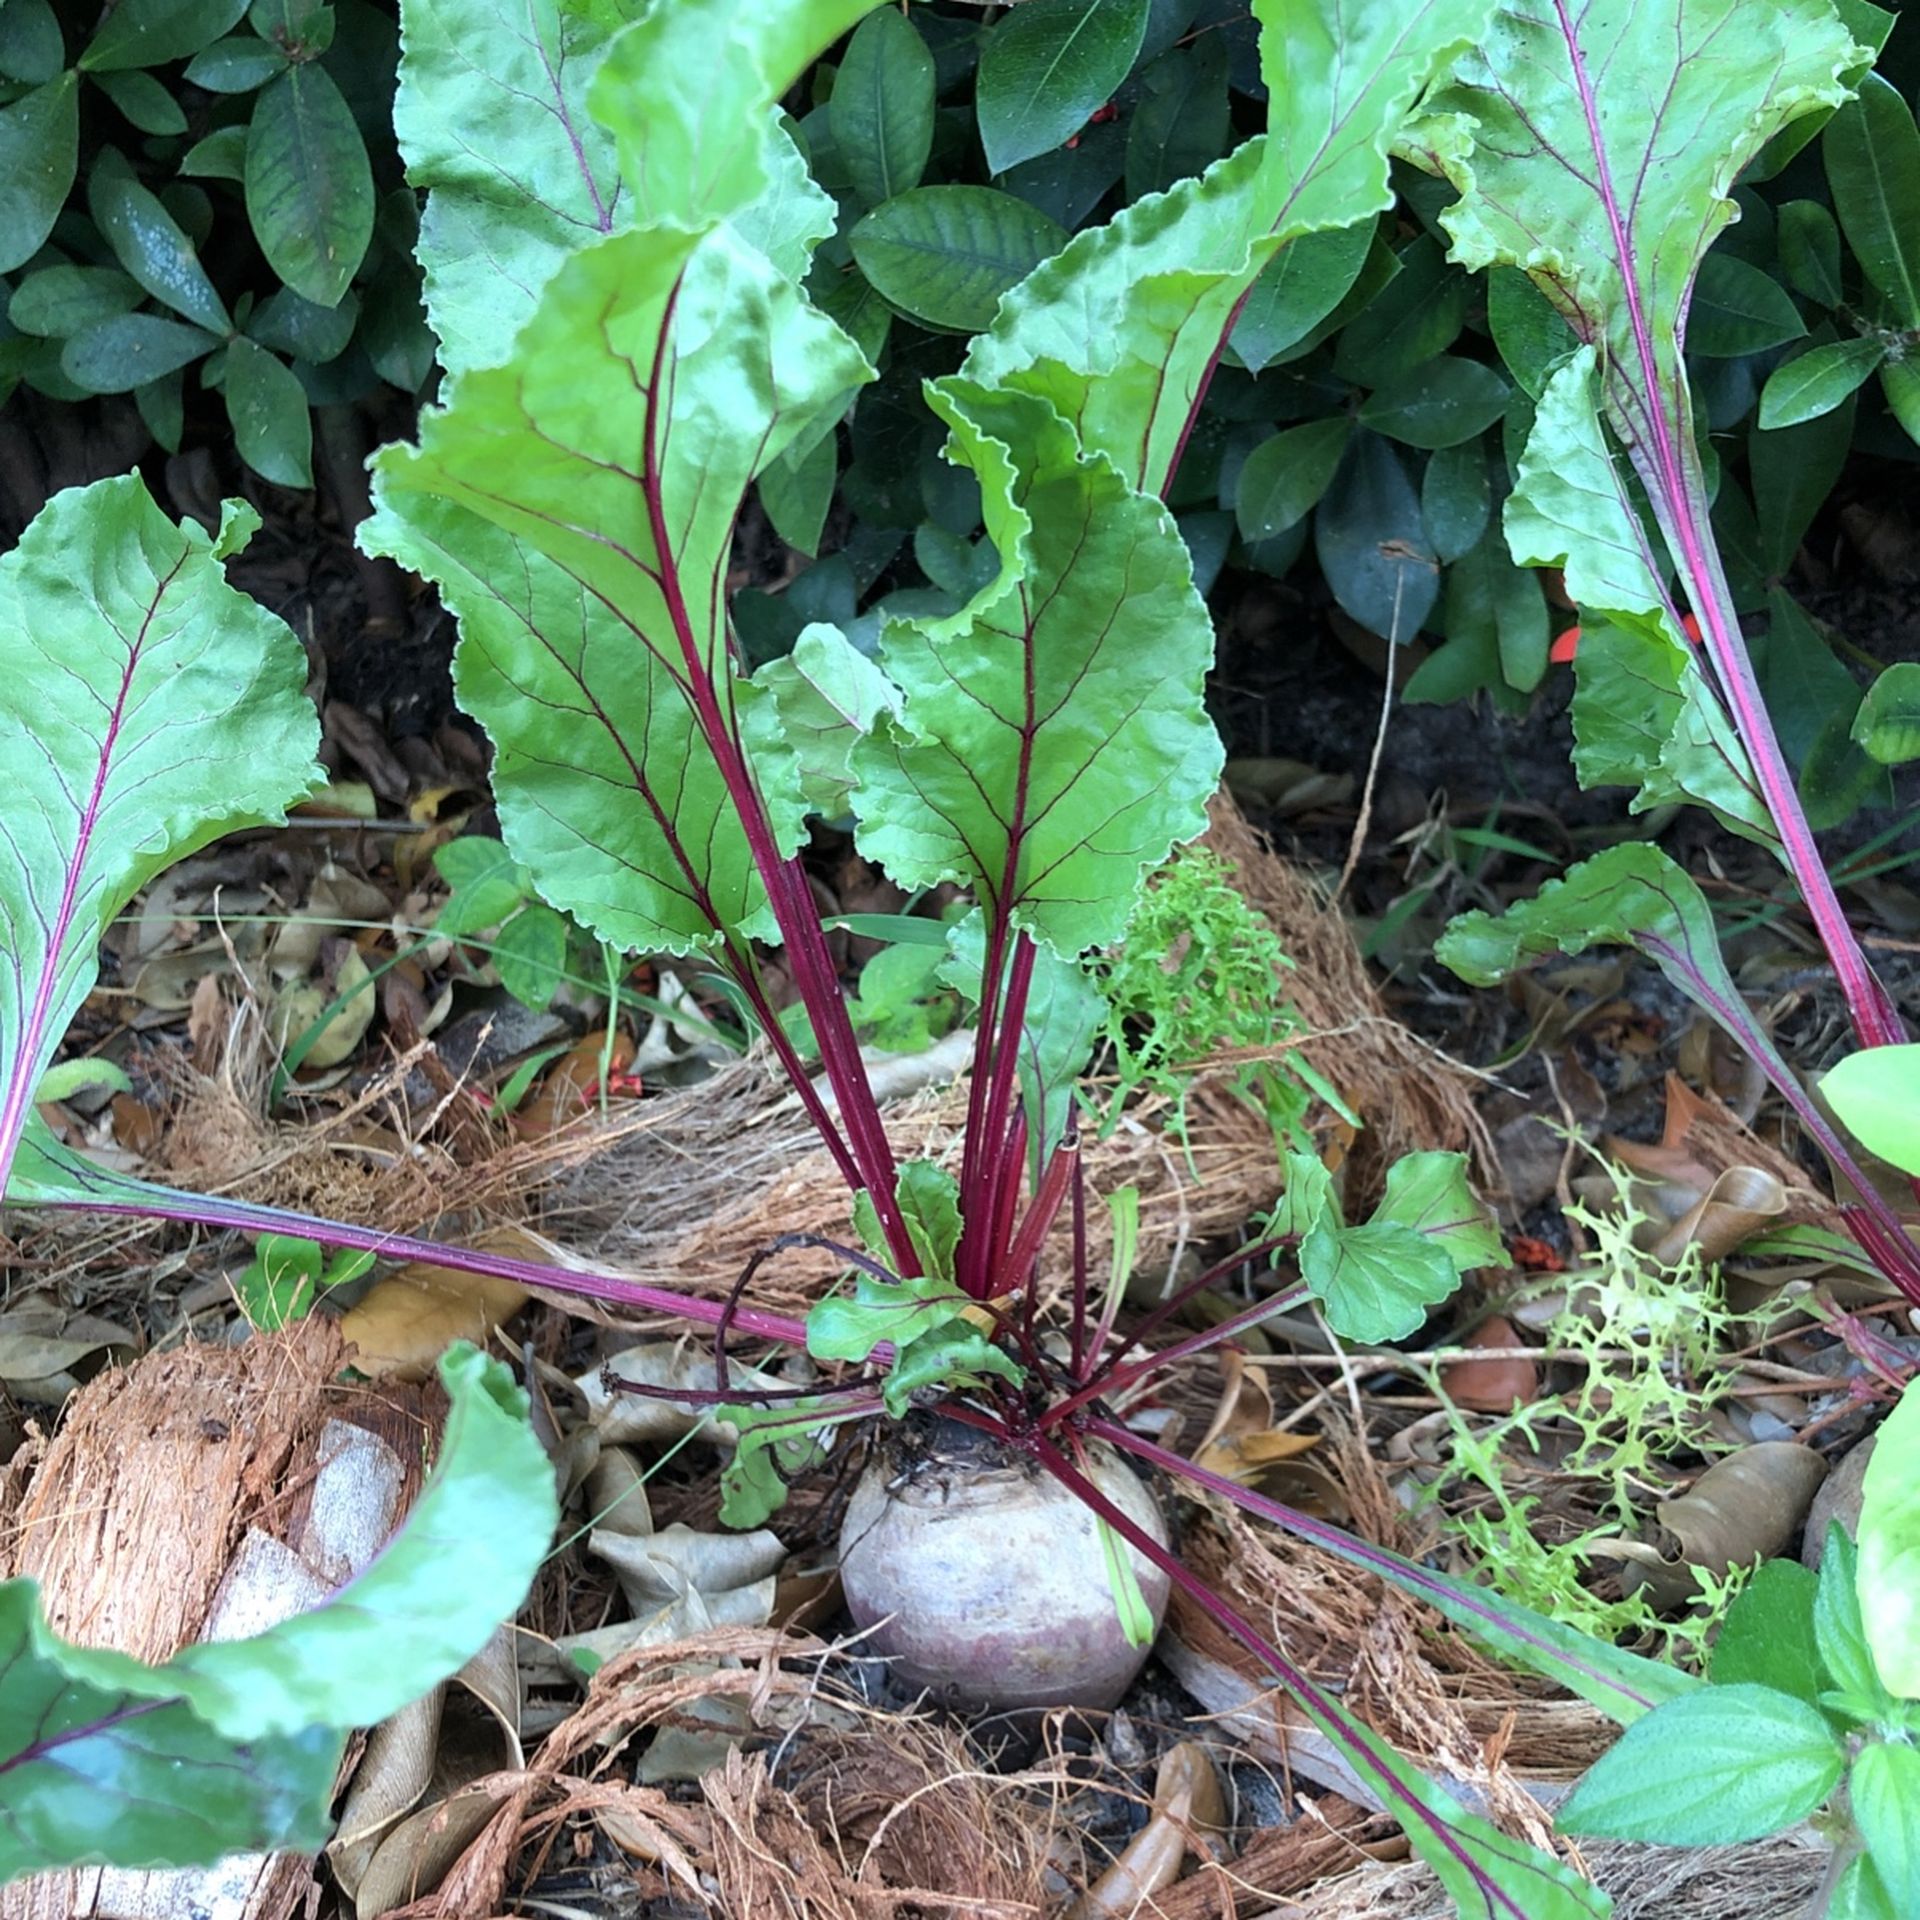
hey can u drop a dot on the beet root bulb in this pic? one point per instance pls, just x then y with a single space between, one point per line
984 1582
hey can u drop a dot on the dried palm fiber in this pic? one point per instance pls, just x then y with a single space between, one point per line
184 1487
1409 1095
831 1809
721 1170
1498 1737
1771 1879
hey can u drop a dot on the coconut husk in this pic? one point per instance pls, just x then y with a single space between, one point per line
178 1500
1771 1879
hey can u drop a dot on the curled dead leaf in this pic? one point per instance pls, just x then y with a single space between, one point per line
1187 1806
1743 1508
1496 1384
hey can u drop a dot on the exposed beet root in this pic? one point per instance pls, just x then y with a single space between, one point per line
992 1573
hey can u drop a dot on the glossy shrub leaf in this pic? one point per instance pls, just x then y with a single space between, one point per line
1124 324
309 185
1531 333
1084 752
797 493
1767 1638
1883 1791
1887 1577
268 408
1372 542
881 113
95 1767
180 714
149 33
58 301
1818 381
1456 500
1872 153
1439 404
1498 609
1888 724
236 65
1809 244
299 329
1046 66
1181 119
1876 1092
1738 309
1303 283
1418 315
31 47
222 155
1284 477
1722 1766
945 255
143 102
1793 470
149 243
39 152
115 356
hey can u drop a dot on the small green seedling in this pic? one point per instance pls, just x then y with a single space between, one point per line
288 1274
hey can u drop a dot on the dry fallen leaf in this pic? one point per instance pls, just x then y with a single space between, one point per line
408 1319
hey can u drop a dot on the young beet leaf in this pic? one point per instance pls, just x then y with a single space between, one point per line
1595 148
1123 328
151 709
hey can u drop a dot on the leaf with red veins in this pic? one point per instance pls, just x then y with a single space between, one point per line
146 708
1121 329
1051 743
577 507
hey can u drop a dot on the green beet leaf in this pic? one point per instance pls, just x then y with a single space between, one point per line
1877 1094
809 708
171 712
462 1563
1046 67
953 1354
877 1313
99 1767
533 502
309 184
1887 1578
777 1443
1888 723
479 101
234 1744
881 114
1083 753
1721 1766
1121 329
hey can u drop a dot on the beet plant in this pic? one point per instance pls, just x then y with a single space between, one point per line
617 247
